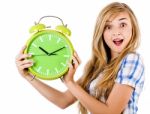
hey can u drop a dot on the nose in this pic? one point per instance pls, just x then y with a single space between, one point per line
116 32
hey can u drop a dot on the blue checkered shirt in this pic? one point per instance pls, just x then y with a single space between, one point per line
132 73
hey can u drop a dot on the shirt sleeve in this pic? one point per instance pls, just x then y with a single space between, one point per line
131 71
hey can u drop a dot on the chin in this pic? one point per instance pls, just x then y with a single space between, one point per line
118 51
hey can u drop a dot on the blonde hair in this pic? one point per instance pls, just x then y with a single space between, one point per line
101 60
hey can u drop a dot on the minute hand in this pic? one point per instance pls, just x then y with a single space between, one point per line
56 51
45 51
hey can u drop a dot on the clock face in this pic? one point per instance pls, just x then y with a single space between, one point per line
51 51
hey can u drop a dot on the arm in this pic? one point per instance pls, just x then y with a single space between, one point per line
61 99
115 103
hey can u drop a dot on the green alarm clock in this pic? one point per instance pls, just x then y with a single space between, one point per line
51 50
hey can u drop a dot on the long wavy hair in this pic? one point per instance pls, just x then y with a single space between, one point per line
100 60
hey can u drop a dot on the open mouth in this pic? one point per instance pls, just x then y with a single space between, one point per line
118 42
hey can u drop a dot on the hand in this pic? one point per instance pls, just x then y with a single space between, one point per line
69 76
45 51
56 51
22 63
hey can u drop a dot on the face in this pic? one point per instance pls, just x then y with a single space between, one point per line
117 33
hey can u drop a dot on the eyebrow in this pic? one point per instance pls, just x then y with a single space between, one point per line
122 19
119 19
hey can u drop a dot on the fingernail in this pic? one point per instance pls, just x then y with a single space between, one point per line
69 65
75 53
30 54
32 61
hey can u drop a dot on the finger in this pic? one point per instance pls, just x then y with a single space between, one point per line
70 65
23 56
75 62
62 79
77 57
25 62
21 52
25 66
22 49
71 70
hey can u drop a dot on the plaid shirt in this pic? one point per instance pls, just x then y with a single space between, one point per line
132 73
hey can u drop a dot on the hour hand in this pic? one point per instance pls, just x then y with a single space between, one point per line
45 51
52 53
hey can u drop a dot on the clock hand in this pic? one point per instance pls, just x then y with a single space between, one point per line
56 51
42 54
43 50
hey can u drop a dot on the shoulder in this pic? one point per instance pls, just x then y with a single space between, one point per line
131 71
133 58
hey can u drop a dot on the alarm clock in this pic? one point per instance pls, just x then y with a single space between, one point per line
51 50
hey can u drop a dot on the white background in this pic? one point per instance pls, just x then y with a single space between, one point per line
17 96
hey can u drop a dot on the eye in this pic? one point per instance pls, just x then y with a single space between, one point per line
122 25
108 27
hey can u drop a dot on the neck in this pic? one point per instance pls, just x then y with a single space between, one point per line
114 55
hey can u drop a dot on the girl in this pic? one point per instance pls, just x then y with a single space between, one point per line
113 78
